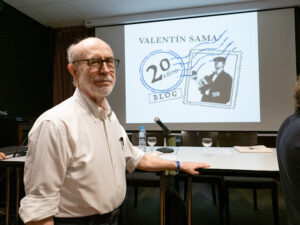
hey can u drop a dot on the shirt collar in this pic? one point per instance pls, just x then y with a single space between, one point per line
88 104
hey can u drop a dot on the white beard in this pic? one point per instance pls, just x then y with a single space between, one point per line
93 90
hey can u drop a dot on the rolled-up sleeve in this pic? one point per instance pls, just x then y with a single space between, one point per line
45 169
133 155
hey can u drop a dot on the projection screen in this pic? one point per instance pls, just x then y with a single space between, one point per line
223 72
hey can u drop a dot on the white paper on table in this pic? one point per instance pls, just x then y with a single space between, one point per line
11 158
253 149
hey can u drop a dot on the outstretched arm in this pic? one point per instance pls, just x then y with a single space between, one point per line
153 163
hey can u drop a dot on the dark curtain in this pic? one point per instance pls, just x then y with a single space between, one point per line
62 81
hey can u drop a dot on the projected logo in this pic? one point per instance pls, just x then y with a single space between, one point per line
162 72
213 78
211 71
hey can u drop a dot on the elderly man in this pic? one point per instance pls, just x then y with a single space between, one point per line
288 151
78 151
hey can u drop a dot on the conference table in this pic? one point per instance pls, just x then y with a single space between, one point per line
11 163
222 161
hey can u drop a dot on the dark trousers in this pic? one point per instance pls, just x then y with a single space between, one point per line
88 220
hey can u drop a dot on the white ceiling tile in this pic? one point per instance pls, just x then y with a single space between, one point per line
96 8
41 2
72 12
104 8
16 3
60 11
66 23
36 15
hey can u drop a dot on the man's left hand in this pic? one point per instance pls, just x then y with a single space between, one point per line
2 156
191 167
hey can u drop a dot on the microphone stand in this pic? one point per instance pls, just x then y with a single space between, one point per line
22 149
165 149
165 139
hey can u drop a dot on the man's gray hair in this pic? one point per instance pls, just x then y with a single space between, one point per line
70 53
73 52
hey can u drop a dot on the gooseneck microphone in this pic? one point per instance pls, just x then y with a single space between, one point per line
166 134
22 149
162 125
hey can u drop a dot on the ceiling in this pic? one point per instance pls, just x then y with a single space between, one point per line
63 13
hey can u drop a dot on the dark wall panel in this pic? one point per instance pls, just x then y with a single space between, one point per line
26 80
297 29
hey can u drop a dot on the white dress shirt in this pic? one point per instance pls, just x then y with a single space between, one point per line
76 162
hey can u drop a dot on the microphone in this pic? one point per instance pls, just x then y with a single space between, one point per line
166 133
162 125
22 149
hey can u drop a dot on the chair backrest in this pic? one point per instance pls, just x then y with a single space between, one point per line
194 138
229 139
8 131
135 138
159 136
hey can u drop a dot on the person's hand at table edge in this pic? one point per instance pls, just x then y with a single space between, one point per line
191 167
2 156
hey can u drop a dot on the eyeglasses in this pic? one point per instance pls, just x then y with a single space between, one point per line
95 63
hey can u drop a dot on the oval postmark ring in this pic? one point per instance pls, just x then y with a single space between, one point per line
161 71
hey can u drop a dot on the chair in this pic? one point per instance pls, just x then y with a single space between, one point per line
23 131
144 179
230 139
194 138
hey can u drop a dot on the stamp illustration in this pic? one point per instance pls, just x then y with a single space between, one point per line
210 70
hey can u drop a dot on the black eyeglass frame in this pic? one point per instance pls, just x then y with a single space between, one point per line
100 61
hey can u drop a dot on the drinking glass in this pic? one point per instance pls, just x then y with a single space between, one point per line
206 142
151 141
